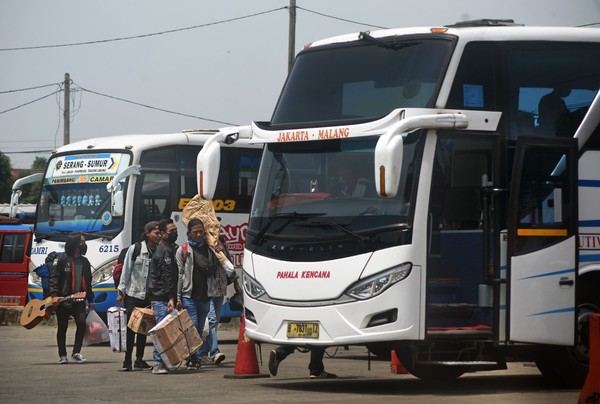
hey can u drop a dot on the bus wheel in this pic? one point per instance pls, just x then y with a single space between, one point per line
408 355
568 366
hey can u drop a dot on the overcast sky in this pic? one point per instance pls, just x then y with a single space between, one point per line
226 72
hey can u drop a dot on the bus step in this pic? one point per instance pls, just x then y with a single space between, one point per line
476 365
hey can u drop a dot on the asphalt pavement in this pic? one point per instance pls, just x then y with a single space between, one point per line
30 373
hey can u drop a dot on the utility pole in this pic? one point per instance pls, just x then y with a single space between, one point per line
292 35
67 111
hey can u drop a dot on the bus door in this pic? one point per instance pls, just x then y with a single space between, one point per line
15 247
542 242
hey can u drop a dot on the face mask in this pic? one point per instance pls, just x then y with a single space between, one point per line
172 237
83 249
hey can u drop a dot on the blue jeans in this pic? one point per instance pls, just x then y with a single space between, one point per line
197 310
211 345
160 312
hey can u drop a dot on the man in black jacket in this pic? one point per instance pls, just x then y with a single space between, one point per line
162 281
71 274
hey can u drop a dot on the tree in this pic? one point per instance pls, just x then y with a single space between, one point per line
30 192
5 178
39 164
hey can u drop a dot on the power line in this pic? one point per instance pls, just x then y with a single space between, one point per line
30 102
155 108
340 19
28 88
143 35
589 25
28 151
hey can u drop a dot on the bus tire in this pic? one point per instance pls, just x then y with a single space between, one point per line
568 366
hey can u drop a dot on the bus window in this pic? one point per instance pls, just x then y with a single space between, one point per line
237 179
527 72
156 193
13 248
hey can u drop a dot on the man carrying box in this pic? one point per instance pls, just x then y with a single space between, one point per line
132 289
162 282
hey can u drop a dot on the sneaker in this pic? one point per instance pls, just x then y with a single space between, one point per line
159 369
63 360
205 360
141 364
219 357
324 375
273 363
78 358
126 365
192 364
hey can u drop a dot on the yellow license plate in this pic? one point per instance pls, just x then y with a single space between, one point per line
303 330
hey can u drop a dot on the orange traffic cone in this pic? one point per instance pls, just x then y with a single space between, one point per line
591 389
246 363
396 366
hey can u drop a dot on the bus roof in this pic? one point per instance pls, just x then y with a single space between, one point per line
11 228
479 32
140 141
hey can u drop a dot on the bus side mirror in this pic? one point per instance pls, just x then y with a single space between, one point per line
118 205
209 161
117 200
207 164
388 164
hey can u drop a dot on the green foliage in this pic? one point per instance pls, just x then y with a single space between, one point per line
39 164
5 178
30 192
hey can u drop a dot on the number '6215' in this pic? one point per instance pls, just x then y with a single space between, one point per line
108 248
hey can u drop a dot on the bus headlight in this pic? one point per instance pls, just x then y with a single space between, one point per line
252 287
103 273
376 284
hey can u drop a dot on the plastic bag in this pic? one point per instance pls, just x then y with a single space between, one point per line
96 331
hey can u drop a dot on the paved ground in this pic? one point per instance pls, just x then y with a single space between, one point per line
30 373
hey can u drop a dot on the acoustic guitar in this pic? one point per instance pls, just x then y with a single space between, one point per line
36 310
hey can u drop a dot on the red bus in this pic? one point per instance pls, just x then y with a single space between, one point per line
15 247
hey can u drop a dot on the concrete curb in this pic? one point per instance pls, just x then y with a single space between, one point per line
11 315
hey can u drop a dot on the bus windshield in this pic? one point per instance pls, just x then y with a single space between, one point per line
360 82
74 195
326 190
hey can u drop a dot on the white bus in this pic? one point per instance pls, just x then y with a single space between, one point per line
109 187
473 235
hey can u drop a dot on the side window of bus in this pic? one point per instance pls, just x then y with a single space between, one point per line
237 179
12 248
473 87
550 87
156 194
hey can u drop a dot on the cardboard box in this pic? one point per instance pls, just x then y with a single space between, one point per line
176 338
117 328
141 320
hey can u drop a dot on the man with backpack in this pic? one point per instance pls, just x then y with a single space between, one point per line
132 289
162 282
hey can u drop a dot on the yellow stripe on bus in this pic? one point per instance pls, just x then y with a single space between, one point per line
542 232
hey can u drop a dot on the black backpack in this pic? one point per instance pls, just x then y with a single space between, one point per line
119 265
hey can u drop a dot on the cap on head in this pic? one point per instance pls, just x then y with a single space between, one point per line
151 226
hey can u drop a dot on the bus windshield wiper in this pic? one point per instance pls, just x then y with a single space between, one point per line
289 216
361 239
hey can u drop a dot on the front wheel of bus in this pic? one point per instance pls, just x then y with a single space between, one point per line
568 366
408 355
